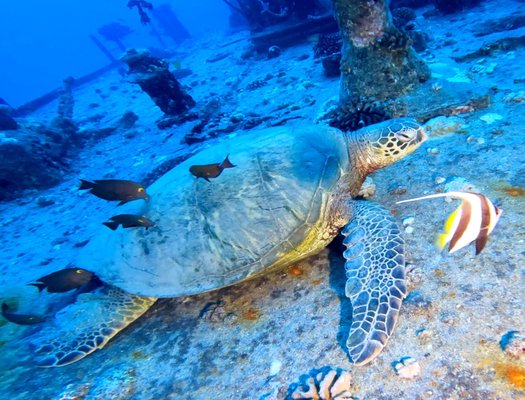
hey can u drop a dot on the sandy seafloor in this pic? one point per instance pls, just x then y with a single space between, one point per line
459 305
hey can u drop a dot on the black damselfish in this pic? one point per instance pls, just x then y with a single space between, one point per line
63 280
129 221
115 189
20 319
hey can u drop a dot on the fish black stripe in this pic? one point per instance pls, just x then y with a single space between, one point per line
481 240
466 211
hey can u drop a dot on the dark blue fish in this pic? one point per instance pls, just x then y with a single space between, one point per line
20 319
63 280
115 189
129 221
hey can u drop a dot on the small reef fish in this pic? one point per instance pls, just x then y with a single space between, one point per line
210 170
473 220
129 221
63 280
20 319
115 189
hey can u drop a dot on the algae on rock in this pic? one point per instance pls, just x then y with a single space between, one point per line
377 59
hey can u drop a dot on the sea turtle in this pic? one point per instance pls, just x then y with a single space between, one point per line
291 191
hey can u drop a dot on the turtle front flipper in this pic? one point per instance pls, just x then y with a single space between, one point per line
375 268
87 325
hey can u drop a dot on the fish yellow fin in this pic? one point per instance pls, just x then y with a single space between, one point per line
441 240
449 223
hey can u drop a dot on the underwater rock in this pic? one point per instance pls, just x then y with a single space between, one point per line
404 19
64 119
377 59
257 84
449 7
490 118
323 384
328 44
417 303
33 159
515 97
510 41
443 125
97 133
275 367
215 312
414 276
368 188
167 121
248 51
254 121
35 156
45 201
407 368
513 344
481 69
506 23
74 391
208 129
408 221
440 98
458 184
419 39
332 65
155 78
397 189
128 119
402 16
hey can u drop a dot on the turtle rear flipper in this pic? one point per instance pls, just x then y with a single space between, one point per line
87 325
375 268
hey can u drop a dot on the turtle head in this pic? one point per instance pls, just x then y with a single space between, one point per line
387 142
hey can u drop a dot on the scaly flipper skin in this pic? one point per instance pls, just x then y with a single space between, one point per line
87 325
375 268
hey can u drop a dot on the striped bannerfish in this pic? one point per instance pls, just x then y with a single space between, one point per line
473 220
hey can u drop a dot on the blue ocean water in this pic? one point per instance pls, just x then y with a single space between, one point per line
213 121
44 42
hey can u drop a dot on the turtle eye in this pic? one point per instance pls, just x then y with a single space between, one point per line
140 189
406 135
